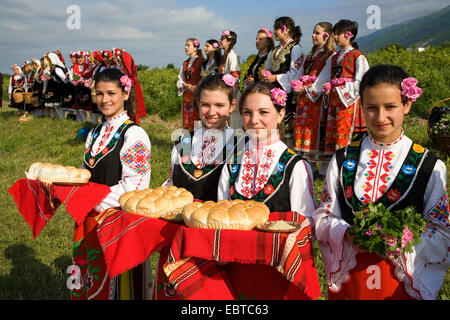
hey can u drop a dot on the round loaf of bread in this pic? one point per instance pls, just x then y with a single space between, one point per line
225 214
156 202
53 173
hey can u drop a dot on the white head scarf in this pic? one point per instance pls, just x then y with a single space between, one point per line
54 59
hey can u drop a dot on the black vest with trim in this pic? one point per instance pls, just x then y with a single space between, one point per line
106 167
276 192
407 189
202 183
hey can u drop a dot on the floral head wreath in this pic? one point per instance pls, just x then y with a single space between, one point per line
226 34
267 32
278 96
410 90
126 83
229 80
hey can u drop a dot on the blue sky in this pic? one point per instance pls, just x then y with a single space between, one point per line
154 31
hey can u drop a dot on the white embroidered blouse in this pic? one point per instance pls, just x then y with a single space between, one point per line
423 270
135 156
205 148
258 164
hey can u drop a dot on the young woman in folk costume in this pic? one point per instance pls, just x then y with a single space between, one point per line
385 167
213 58
188 79
106 61
127 65
267 171
264 43
55 80
344 114
16 81
118 155
37 79
82 72
198 156
310 118
230 65
283 64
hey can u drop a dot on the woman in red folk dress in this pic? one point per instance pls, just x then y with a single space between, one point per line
188 79
344 115
309 121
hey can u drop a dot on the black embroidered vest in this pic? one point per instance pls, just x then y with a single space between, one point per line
407 189
275 193
106 167
202 183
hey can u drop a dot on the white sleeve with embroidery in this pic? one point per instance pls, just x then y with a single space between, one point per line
349 93
135 157
297 58
429 261
314 91
173 161
223 189
338 255
301 186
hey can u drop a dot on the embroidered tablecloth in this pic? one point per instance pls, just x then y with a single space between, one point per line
235 264
37 204
128 239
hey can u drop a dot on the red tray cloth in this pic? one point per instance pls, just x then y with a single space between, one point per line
128 239
216 264
37 205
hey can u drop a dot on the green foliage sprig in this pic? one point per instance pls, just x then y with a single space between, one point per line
387 233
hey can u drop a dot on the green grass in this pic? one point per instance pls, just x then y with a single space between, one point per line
36 269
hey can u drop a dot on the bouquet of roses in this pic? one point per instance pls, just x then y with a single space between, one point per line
387 233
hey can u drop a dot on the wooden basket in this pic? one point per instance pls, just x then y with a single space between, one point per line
18 95
35 101
27 96
442 141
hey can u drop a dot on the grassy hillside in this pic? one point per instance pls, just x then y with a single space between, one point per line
429 30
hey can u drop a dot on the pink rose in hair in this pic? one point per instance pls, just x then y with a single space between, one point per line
267 32
279 96
410 89
196 43
348 34
296 85
325 35
229 80
126 83
283 28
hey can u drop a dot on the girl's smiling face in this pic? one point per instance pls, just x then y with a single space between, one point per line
214 108
384 111
110 98
260 117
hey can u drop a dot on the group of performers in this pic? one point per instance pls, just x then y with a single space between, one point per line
318 122
296 108
54 85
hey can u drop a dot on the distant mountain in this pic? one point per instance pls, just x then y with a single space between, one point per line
429 30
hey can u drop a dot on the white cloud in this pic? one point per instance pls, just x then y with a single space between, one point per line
154 31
